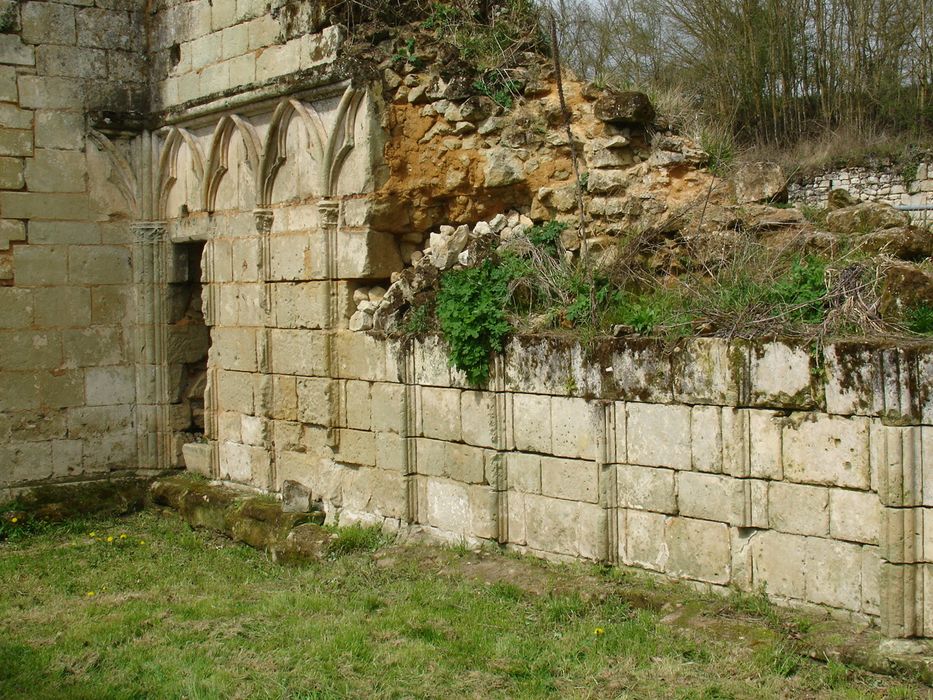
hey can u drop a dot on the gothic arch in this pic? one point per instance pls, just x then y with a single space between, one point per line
168 163
274 153
217 162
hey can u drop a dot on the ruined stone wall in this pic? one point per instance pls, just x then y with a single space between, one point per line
891 186
72 76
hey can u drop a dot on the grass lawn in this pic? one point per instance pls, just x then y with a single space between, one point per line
167 612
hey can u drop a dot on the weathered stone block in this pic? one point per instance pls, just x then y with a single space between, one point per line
314 402
235 391
647 488
40 265
18 390
827 450
15 142
357 447
659 435
524 472
709 496
467 511
46 92
833 572
48 23
110 385
575 480
11 178
901 535
852 385
563 527
572 428
478 418
871 591
244 463
235 349
388 407
464 463
642 371
783 376
254 430
358 403
71 61
779 563
706 438
798 509
61 389
711 370
392 452
73 232
537 365
197 457
531 416
900 464
41 205
99 264
360 356
440 413
698 549
31 349
14 52
108 29
296 352
96 421
16 307
642 539
302 305
854 516
12 117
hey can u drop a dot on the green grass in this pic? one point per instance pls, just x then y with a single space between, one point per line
177 613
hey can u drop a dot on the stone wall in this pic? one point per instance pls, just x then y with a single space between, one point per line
72 80
888 185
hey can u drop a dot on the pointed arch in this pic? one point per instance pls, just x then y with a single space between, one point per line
274 154
168 162
217 162
342 139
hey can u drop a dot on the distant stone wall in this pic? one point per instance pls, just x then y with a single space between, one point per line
872 184
67 378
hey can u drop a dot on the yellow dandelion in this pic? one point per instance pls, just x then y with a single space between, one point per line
110 538
122 537
92 534
142 541
90 594
599 631
14 519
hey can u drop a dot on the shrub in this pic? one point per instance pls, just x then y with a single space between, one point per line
471 311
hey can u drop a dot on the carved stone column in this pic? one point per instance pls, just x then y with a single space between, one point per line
329 215
152 389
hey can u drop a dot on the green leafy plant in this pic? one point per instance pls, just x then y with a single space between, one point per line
442 15
920 320
355 538
471 312
418 320
407 54
547 236
500 92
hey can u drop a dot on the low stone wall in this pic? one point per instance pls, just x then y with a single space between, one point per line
753 465
872 184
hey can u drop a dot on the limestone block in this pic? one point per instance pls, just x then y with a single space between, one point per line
833 573
360 356
658 435
440 413
620 425
573 428
925 387
368 492
61 389
821 449
11 116
642 540
388 407
900 464
532 423
296 257
235 391
108 29
642 371
71 61
391 452
109 304
478 418
901 535
524 472
367 255
278 60
263 31
871 591
254 430
430 456
302 305
464 463
698 549
11 230
186 343
95 421
358 403
515 517
214 78
575 480
854 516
467 511
229 424
356 447
563 527
706 438
711 370
8 91
432 366
52 170
647 488
235 348
241 70
16 307
99 264
45 22
16 142
56 232
68 457
537 365
900 587
853 385
798 509
26 461
783 376
31 349
110 385
314 404
752 443
14 52
197 458
709 496
244 463
223 14
234 40
779 563
48 92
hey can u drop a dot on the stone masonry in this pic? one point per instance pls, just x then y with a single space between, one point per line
219 195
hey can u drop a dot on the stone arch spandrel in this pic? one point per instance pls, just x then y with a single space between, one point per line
233 161
181 172
112 183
